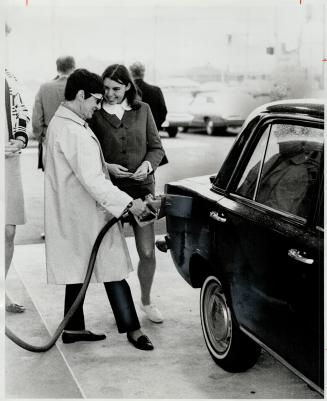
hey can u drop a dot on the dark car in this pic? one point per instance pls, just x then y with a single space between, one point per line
252 239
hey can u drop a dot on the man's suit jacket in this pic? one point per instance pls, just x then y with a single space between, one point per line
152 95
47 101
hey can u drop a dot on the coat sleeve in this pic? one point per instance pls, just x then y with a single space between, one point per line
155 151
82 153
38 116
18 111
22 117
162 109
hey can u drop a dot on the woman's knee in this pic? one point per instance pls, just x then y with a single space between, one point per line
10 232
147 253
145 245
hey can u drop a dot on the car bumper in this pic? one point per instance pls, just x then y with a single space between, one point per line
200 122
183 120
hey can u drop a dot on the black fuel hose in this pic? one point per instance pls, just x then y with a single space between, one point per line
80 296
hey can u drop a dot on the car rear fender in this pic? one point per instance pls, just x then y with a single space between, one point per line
199 268
188 235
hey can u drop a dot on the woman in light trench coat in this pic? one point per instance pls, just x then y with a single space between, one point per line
79 200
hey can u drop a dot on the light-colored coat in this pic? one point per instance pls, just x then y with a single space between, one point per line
79 200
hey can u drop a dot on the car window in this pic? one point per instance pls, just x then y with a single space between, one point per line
249 180
228 168
283 174
320 217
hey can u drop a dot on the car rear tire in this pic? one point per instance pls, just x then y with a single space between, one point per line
172 131
231 349
210 128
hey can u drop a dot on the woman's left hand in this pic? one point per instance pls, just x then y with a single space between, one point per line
13 147
141 173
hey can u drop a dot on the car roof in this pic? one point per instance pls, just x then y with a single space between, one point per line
311 107
303 107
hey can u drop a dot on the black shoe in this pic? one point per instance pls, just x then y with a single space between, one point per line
68 338
143 342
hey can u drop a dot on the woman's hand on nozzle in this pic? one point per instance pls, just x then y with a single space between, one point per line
138 207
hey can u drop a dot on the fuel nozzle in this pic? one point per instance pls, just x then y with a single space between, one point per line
154 203
152 210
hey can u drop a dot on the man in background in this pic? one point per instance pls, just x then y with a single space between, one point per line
47 101
150 94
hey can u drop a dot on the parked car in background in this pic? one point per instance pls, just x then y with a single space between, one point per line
177 100
211 106
177 121
219 110
252 239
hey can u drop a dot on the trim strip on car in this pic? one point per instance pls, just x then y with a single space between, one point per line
262 161
261 207
282 360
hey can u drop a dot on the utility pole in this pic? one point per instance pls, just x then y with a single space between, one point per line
324 55
247 43
154 78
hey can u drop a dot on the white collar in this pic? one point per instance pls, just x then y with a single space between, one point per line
124 104
117 109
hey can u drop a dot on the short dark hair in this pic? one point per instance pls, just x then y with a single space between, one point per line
120 74
82 79
137 70
65 64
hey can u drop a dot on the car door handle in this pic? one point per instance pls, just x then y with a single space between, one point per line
295 254
217 217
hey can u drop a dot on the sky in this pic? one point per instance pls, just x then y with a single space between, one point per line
166 35
169 36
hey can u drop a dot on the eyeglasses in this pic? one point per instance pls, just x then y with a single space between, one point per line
98 99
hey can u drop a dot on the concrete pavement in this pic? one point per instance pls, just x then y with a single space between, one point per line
179 367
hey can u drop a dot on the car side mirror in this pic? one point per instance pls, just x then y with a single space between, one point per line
212 179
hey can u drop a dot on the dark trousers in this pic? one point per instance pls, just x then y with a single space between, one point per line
121 301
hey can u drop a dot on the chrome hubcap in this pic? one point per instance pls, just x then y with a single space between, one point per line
217 318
